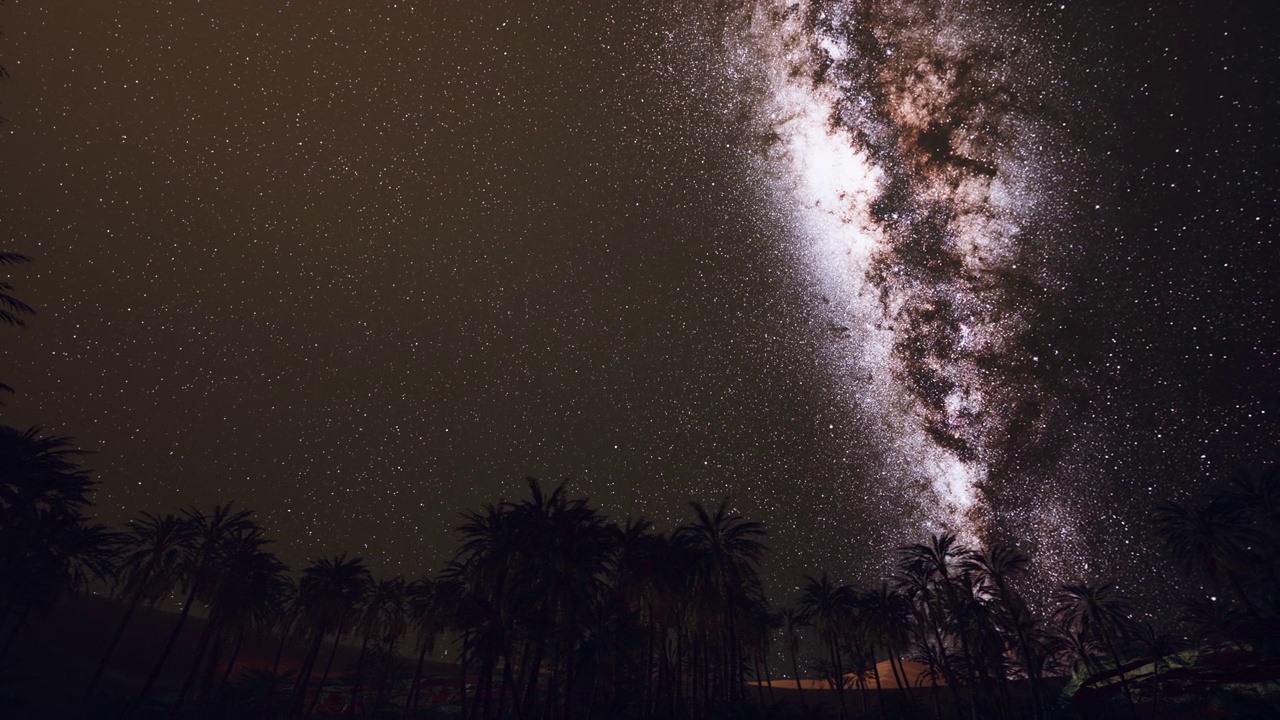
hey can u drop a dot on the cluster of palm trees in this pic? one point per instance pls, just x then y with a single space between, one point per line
551 610
564 614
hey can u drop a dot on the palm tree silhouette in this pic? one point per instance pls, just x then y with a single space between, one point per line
1098 611
426 616
281 616
829 607
150 547
792 620
245 579
923 575
207 538
328 592
1159 647
997 568
1214 538
725 553
887 614
383 613
563 551
11 308
46 543
1211 620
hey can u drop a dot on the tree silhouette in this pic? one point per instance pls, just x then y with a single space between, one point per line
47 545
383 613
245 580
829 607
328 592
207 537
1098 611
1214 538
725 552
427 618
997 567
792 620
149 568
12 309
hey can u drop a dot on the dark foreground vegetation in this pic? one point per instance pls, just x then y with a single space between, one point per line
551 610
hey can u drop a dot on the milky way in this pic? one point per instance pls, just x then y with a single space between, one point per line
912 149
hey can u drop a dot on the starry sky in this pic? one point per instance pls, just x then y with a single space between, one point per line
871 270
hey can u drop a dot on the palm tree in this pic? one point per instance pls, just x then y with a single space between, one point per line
149 568
924 577
829 608
329 590
39 480
46 543
282 619
11 308
206 540
254 604
792 620
1211 620
482 603
563 550
383 612
1159 647
997 568
426 615
1098 611
1214 538
627 624
887 614
725 552
245 581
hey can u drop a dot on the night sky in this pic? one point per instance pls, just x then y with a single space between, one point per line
869 269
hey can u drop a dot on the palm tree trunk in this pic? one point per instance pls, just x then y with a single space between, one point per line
759 682
944 662
904 683
275 676
508 684
875 669
385 684
768 677
646 690
412 702
535 666
1033 673
570 675
484 688
677 681
795 668
324 675
355 684
860 678
106 656
1124 680
833 650
219 649
1155 690
304 672
145 693
937 700
19 622
235 655
463 663
189 682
